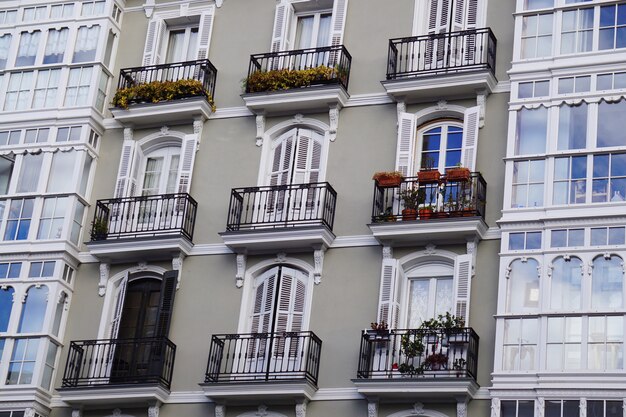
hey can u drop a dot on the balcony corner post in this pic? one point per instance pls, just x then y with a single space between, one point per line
105 270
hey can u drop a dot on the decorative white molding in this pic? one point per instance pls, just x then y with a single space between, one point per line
260 129
495 407
153 410
105 270
148 8
177 265
219 3
281 257
461 409
372 409
262 411
430 249
198 125
582 406
387 252
301 409
128 133
318 257
333 121
241 270
164 131
442 105
220 410
29 412
481 100
540 407
77 412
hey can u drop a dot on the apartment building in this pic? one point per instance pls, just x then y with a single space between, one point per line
190 225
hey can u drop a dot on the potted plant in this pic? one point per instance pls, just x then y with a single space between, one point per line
436 361
378 331
458 173
385 216
99 228
459 365
388 179
428 174
411 346
412 199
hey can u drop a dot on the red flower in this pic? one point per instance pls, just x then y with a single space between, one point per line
394 366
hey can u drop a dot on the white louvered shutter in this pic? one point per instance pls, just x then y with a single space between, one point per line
470 137
338 22
472 53
406 143
282 23
124 173
116 317
388 305
261 318
462 290
289 312
204 33
152 48
308 155
187 157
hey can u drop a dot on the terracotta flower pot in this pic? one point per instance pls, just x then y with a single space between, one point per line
409 214
458 174
425 214
428 176
389 182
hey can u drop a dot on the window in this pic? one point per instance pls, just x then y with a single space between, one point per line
525 240
34 13
84 178
565 238
48 368
27 50
10 137
569 85
29 173
9 270
34 310
45 94
604 408
77 223
563 350
116 14
609 178
532 89
611 122
52 218
62 172
528 182
605 342
160 171
572 127
537 35
570 180
22 363
520 344
577 30
41 269
517 408
606 283
18 91
92 8
6 304
6 172
19 218
5 45
565 285
313 31
429 297
56 45
77 92
531 134
93 139
612 81
36 135
538 4
102 91
69 134
182 45
68 274
441 147
602 236
561 408
61 10
86 44
522 295
8 17
613 26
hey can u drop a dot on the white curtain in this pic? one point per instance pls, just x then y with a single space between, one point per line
56 45
86 43
5 43
29 42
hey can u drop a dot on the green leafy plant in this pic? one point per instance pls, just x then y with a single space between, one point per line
158 91
436 361
285 79
412 346
99 228
413 197
447 322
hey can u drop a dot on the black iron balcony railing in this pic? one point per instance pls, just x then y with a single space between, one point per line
443 199
332 64
465 50
101 363
144 216
440 353
201 70
282 206
261 357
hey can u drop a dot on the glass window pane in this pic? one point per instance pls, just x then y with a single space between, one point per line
558 238
6 304
533 240
611 122
34 310
576 237
616 236
531 131
598 236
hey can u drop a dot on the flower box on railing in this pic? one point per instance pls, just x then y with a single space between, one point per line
429 176
458 174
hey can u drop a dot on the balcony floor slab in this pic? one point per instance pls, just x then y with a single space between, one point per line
275 392
163 113
437 231
431 389
139 249
122 395
284 239
298 100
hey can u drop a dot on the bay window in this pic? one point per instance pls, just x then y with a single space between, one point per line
607 290
8 17
92 7
605 408
537 35
61 10
564 343
577 30
612 26
19 219
34 13
528 183
561 408
602 236
609 178
22 362
36 135
10 270
611 124
79 82
605 342
52 218
18 92
61 170
567 238
45 93
517 408
520 344
522 293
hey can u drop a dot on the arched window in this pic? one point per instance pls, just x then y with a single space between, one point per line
565 291
607 283
522 290
296 157
34 310
439 145
6 304
430 292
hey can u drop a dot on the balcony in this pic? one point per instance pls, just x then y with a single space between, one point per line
441 66
300 81
143 97
424 364
100 371
284 218
452 211
281 367
143 227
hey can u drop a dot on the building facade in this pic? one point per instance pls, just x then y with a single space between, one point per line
190 225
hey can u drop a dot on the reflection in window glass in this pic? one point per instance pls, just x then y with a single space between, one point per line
528 180
611 124
519 408
605 338
18 222
34 310
6 304
6 171
41 269
22 364
554 408
10 270
5 44
606 291
532 125
533 240
576 31
520 344
62 172
29 174
537 36
570 180
612 26
55 46
52 218
604 408
51 355
565 290
609 178
27 50
572 127
564 343
516 241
